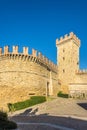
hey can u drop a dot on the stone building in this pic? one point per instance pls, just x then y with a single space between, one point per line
73 80
23 75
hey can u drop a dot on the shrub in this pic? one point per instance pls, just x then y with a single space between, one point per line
3 116
27 103
5 123
11 107
39 99
60 94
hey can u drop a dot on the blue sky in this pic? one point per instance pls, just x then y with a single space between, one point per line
37 24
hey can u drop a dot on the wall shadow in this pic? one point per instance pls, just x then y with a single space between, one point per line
29 116
83 105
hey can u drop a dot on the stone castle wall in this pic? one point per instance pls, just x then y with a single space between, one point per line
79 86
67 57
72 81
22 76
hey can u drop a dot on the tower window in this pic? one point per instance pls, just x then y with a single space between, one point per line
77 63
63 58
63 71
63 50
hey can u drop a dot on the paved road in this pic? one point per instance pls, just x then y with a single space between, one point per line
42 126
58 114
67 122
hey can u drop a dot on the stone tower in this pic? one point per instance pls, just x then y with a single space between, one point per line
67 58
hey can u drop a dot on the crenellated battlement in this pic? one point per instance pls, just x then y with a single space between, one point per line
34 57
68 37
29 73
84 71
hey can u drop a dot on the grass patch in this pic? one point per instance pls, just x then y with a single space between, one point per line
27 103
5 124
60 94
50 98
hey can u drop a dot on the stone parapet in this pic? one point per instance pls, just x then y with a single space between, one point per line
68 37
78 90
84 71
35 57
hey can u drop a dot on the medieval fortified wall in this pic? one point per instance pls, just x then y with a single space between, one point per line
23 75
73 80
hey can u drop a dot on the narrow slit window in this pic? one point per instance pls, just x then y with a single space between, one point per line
63 58
63 71
63 50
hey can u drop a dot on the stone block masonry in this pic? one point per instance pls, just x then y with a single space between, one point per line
73 80
23 75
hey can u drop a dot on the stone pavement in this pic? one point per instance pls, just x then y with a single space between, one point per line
58 114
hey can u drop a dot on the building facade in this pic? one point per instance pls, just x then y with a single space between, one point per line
73 80
23 75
